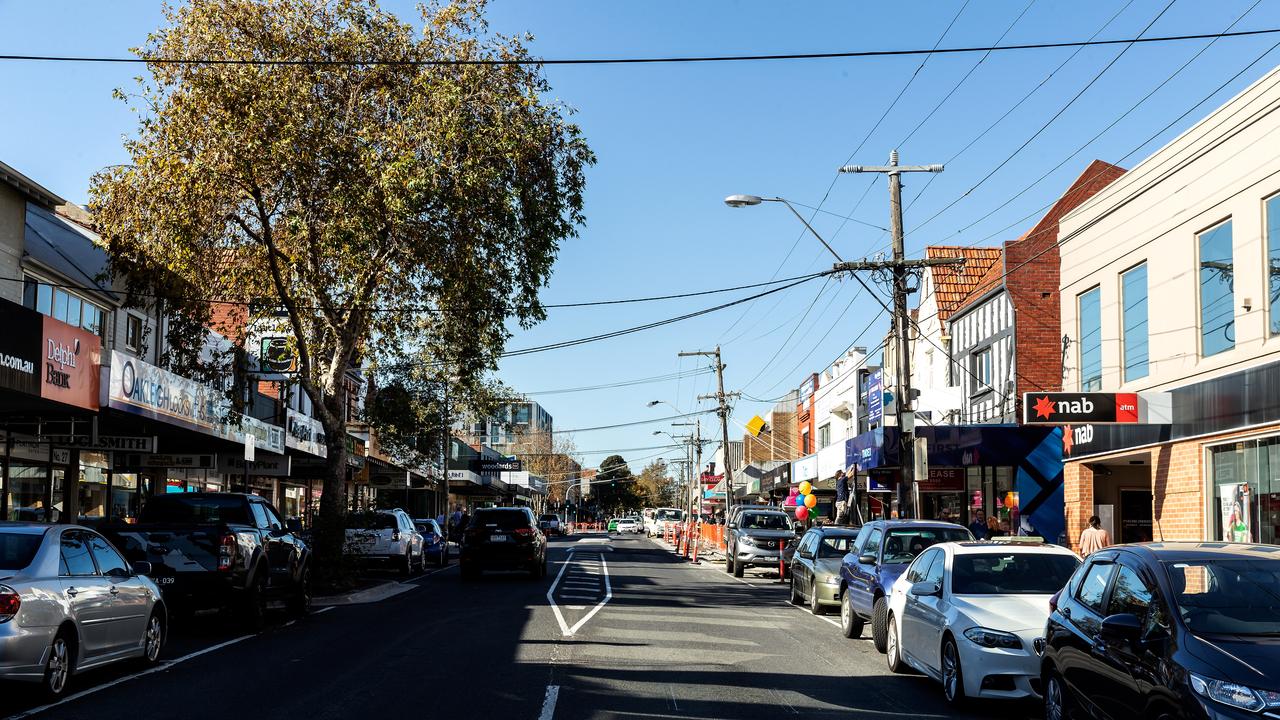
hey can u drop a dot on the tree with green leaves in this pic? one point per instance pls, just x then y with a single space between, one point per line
399 192
614 486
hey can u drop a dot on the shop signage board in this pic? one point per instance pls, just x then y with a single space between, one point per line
943 479
388 477
20 350
121 443
305 433
177 461
271 466
469 476
143 389
37 452
1097 408
502 465
805 468
72 358
875 397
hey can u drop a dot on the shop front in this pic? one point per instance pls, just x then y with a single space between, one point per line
1212 474
1009 473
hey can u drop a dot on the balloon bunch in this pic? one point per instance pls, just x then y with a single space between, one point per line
805 501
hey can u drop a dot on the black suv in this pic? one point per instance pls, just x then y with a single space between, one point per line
756 537
503 539
1166 630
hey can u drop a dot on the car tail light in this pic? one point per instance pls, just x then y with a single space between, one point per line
1053 602
10 601
524 531
226 552
395 536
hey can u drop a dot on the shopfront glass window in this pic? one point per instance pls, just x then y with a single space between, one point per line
124 497
1273 261
1246 491
1133 293
1217 305
92 489
1090 314
26 494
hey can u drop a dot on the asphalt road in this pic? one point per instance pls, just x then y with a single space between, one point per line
619 628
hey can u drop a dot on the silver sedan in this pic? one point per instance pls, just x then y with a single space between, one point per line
70 602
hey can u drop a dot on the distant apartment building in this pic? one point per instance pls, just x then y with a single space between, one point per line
514 423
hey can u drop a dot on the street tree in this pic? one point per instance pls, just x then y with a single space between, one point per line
551 457
614 486
654 487
383 186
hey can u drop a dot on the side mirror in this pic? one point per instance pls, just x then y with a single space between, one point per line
294 525
1121 626
867 559
797 527
805 554
733 526
142 567
926 589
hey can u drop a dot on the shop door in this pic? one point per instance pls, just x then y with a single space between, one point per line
1135 516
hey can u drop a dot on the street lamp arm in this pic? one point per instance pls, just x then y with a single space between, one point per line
807 225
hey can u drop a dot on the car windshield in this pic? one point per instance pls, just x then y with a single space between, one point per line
835 547
904 544
501 519
1233 596
1011 573
180 508
764 521
371 521
548 518
669 514
18 549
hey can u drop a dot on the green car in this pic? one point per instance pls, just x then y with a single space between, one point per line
815 567
613 524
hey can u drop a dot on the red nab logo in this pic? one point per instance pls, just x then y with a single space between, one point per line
1044 407
1126 407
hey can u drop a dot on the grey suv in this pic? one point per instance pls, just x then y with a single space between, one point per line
756 537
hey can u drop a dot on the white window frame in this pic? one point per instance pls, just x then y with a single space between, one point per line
55 287
979 385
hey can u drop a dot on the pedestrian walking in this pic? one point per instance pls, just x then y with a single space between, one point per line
1094 538
979 526
842 498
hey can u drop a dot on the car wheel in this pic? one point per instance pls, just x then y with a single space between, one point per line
795 592
59 665
444 556
300 603
254 611
815 607
952 675
739 569
879 624
893 653
1057 704
153 639
850 624
728 563
406 564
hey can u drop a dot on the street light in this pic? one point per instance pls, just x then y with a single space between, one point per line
737 201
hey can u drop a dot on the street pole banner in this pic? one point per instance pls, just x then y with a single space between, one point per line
1097 408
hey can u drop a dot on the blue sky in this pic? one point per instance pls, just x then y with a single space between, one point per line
673 140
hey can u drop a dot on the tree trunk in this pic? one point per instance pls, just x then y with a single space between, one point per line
330 534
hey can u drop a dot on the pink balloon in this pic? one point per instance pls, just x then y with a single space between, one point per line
802 512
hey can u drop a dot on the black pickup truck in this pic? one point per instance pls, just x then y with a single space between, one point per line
219 551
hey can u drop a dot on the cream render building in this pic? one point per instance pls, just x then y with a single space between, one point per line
1170 281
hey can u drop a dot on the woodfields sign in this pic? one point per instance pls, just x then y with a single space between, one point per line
1096 408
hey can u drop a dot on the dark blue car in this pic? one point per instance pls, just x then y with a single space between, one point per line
435 545
882 550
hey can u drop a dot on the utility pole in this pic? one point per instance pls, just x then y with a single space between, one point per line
695 458
901 269
723 398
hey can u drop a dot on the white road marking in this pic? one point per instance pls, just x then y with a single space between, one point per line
565 628
783 701
549 702
162 666
671 691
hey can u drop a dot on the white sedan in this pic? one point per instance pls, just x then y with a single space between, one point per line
967 615
628 525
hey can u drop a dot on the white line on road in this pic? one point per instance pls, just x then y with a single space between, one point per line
549 702
565 628
783 701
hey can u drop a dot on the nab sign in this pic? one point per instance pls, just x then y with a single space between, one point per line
1063 408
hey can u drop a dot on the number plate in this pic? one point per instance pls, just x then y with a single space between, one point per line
498 538
163 580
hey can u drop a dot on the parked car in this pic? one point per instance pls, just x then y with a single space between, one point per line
756 538
387 537
435 545
503 539
882 551
626 525
968 614
1166 630
70 602
224 551
815 567
551 524
612 525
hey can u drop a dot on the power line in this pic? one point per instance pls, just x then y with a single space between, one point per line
370 61
623 383
633 423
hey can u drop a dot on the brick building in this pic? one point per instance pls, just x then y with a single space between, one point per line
1170 282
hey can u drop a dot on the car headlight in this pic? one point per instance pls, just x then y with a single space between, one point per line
1234 694
746 540
992 638
832 580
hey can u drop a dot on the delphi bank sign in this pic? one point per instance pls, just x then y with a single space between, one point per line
48 358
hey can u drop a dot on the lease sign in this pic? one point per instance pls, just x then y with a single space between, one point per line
1061 408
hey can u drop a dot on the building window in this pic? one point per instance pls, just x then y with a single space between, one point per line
1246 495
1133 295
1090 313
1273 261
133 332
805 447
59 304
824 436
1217 303
982 371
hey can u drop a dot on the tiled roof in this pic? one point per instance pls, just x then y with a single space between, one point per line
953 283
